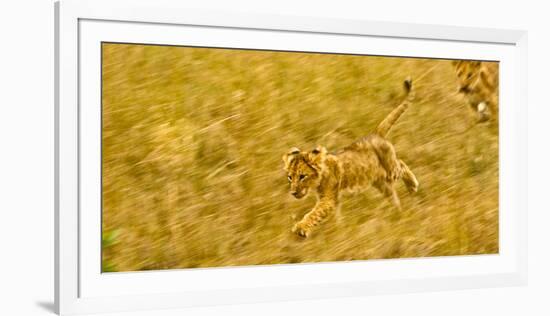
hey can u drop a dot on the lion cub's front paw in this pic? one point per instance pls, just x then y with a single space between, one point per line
301 230
483 114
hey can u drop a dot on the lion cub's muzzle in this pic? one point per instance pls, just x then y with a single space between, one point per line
299 193
464 89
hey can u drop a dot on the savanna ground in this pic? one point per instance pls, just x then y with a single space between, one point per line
192 172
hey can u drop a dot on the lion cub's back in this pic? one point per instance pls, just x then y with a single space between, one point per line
359 165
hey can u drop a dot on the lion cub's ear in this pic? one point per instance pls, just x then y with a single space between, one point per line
316 157
291 154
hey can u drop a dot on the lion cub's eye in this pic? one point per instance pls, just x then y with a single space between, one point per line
302 177
289 178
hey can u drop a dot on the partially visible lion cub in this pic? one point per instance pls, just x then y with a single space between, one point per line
370 161
478 82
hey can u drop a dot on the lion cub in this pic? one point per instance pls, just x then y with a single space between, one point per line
370 161
478 82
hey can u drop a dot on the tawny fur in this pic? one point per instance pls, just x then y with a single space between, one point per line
478 82
370 161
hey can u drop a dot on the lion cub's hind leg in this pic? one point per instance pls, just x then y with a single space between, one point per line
409 178
388 158
386 187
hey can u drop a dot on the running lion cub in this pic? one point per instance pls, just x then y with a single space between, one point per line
369 161
478 82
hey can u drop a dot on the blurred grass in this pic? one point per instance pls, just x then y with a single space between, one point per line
192 143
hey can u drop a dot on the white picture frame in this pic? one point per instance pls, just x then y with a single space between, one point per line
80 287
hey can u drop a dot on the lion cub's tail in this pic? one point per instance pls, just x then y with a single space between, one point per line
384 127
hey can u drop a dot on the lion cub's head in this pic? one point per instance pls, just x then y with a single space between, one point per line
304 169
467 73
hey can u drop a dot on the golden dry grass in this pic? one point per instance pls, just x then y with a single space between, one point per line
192 142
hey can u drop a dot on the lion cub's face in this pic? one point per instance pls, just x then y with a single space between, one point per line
467 73
304 169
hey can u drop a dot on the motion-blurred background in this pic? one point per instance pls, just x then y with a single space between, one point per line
192 142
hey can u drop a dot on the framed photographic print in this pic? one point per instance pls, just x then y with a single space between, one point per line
208 157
